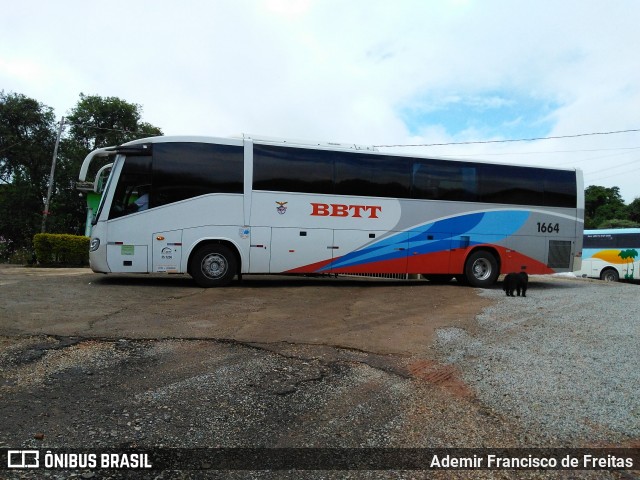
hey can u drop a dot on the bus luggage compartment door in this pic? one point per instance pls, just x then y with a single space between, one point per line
369 251
300 250
260 250
126 258
167 251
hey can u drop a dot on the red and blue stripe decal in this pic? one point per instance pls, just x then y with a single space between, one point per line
427 244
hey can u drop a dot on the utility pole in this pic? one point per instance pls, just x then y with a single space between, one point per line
45 213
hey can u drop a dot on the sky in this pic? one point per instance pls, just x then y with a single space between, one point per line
399 74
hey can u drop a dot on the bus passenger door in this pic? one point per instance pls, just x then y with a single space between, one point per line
167 251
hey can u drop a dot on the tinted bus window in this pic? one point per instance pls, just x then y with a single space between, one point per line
560 188
292 169
289 169
439 180
611 241
507 184
599 240
372 175
627 240
186 170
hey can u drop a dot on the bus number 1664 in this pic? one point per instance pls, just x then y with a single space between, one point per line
548 227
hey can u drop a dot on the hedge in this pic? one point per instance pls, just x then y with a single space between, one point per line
61 249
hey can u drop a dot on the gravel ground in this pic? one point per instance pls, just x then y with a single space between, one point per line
564 360
558 368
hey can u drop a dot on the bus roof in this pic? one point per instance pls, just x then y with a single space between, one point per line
257 139
611 231
238 140
308 143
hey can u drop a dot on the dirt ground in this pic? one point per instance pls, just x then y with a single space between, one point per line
378 316
145 361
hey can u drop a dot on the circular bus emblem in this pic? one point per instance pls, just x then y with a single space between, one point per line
281 209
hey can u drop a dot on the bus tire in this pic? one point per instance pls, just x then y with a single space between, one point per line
610 275
481 269
213 265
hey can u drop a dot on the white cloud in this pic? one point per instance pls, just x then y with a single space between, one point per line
347 71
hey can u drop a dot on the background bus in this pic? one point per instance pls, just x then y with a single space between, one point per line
611 254
220 207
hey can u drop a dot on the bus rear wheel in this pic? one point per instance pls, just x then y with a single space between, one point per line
481 269
213 266
609 275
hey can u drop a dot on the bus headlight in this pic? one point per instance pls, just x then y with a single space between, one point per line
95 244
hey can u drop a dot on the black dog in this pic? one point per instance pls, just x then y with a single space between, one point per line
517 282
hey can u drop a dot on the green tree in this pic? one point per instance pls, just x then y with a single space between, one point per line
27 136
633 210
28 131
95 122
617 223
98 122
603 204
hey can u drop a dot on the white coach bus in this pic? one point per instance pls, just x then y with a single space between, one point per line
220 207
611 254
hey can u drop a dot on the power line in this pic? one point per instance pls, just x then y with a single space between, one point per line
105 128
66 122
510 140
612 167
541 152
599 178
546 161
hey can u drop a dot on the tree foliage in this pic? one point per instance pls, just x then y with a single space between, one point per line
95 122
603 204
27 136
28 131
26 140
633 211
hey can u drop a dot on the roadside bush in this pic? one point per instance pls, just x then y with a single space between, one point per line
22 256
55 249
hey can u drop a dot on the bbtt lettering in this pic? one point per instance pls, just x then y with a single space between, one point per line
340 210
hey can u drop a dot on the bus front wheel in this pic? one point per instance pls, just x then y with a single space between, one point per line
481 269
213 265
609 275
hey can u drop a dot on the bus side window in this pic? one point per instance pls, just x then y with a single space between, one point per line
183 170
136 172
290 169
437 180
